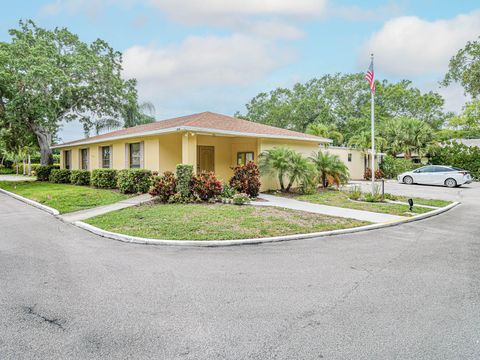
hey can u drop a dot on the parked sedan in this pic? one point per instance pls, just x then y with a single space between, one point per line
436 175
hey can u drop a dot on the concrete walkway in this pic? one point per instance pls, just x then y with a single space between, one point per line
293 204
88 213
17 178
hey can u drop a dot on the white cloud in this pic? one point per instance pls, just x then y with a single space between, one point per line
409 45
200 64
194 11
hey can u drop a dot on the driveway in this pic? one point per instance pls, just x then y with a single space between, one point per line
406 292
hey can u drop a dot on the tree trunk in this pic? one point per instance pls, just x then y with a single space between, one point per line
44 140
24 167
29 166
280 179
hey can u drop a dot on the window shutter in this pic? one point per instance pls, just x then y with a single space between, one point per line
88 159
142 162
111 157
100 165
127 156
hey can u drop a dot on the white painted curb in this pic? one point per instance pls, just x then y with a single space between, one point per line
48 209
215 243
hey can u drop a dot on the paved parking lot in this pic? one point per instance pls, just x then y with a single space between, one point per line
405 292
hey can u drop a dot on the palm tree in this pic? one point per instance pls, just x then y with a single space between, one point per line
143 113
363 142
329 165
327 131
300 170
276 162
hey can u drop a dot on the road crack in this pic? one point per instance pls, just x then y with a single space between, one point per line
30 310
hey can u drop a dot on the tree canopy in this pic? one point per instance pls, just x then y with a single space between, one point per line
51 76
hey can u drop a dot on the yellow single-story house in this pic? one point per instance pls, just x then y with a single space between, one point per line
208 141
357 161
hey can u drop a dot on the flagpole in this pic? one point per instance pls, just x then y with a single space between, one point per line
373 137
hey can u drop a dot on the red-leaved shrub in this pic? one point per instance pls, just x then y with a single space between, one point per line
246 179
367 175
163 186
206 186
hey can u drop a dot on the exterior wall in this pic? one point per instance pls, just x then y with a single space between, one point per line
356 167
307 148
163 152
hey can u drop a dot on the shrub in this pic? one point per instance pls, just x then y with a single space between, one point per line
59 176
374 196
367 175
461 156
228 192
184 179
206 186
355 193
4 170
392 166
104 178
164 187
80 177
43 171
390 196
241 199
246 179
131 181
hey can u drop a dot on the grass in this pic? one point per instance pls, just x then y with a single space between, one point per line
340 199
215 222
63 197
428 202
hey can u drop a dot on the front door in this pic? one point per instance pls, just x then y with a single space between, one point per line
205 158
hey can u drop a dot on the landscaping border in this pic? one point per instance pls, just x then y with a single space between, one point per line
215 243
46 208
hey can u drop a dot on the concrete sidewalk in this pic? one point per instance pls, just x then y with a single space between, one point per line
293 204
88 213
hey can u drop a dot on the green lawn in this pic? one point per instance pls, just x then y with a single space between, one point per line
421 201
215 222
340 199
63 197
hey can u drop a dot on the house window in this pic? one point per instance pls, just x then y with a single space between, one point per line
134 150
106 157
244 158
84 159
67 158
350 157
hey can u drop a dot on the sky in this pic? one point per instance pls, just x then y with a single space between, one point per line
215 55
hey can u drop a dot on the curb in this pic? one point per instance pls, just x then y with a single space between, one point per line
48 209
217 243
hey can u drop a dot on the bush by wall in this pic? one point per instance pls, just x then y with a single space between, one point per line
392 166
6 170
246 179
59 176
80 177
131 181
461 156
43 171
206 186
104 178
367 175
184 179
164 186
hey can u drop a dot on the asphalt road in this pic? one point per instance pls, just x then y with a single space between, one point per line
407 292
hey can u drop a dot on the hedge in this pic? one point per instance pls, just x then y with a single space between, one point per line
184 179
80 177
43 171
59 176
134 180
104 178
392 166
461 156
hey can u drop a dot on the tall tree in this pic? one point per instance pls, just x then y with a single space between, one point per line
464 68
50 76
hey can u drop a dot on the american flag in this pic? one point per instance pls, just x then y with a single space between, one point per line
370 77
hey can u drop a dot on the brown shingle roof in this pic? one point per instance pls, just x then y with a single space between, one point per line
207 121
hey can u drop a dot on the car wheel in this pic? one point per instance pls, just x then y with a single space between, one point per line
450 183
408 180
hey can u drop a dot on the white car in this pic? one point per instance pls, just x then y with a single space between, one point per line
436 175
